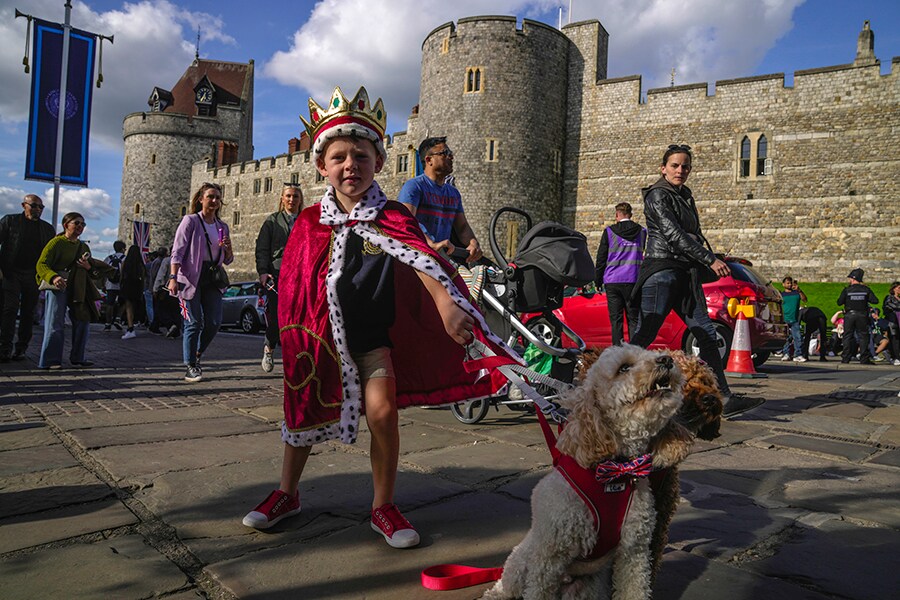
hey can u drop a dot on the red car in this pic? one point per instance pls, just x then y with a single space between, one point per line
586 313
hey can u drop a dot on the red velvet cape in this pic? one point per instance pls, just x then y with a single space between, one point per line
322 389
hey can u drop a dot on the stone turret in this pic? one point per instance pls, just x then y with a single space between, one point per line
208 115
865 47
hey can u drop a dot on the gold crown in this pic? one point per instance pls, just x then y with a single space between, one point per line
340 109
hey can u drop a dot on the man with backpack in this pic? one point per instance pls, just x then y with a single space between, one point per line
113 287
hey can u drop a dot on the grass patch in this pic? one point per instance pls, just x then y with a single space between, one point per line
824 295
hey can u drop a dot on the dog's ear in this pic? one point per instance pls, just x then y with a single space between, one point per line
586 438
671 445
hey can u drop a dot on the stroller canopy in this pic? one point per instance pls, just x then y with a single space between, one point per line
559 252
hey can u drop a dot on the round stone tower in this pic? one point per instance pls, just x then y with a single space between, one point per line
162 144
498 93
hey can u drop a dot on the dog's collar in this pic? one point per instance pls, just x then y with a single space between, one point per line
610 470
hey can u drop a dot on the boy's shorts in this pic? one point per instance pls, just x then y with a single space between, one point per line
374 364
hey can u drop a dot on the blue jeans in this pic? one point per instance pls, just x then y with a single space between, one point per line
795 338
204 319
663 292
55 305
148 305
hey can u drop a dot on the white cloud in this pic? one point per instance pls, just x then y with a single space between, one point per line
92 203
11 200
377 43
151 48
374 43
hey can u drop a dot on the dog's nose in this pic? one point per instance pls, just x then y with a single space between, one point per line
665 361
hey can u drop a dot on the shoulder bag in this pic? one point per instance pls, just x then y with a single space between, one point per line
212 274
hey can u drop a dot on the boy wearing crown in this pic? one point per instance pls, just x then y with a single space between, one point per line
372 319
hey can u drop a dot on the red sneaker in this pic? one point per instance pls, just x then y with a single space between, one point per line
274 508
397 531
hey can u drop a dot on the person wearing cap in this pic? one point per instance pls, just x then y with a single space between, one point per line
372 318
436 203
22 237
856 298
270 243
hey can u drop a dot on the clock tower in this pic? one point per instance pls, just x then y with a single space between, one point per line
211 105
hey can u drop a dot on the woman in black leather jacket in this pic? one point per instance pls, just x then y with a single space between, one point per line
677 260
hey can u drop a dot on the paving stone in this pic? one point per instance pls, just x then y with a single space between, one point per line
716 525
31 530
266 412
22 435
164 415
462 464
852 452
870 554
685 576
206 506
845 410
888 414
824 425
35 458
122 567
851 491
41 490
891 436
423 438
522 486
451 532
134 462
890 458
100 437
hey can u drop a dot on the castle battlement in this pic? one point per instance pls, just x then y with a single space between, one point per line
181 124
497 27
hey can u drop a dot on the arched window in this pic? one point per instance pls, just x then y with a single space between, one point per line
762 149
137 208
745 157
474 80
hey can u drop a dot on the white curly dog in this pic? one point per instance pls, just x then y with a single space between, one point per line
622 410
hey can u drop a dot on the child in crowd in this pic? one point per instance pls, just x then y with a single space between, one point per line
372 319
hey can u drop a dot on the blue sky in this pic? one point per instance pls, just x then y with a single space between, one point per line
304 48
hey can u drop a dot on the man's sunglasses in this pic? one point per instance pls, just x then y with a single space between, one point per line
444 152
35 206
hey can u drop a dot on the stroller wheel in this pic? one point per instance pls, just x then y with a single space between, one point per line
470 412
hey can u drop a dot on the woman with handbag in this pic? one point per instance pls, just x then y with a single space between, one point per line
132 287
64 270
196 275
677 261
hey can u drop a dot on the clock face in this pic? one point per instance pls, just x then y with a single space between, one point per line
204 95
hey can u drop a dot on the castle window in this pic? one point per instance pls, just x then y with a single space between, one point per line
157 106
491 150
403 163
753 157
137 208
257 185
295 177
445 45
306 157
745 157
153 159
222 191
237 189
184 210
236 218
557 161
762 150
473 80
268 184
319 177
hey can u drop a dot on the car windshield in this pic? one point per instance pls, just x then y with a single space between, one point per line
745 273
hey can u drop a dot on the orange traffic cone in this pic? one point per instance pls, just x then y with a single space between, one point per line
740 361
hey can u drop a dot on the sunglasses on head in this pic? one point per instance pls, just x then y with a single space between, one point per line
683 147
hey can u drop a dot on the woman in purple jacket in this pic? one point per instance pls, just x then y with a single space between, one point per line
201 238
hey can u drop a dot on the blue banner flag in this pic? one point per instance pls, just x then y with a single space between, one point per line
40 160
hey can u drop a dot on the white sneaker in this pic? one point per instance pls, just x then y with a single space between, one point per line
268 361
799 359
897 362
129 334
785 357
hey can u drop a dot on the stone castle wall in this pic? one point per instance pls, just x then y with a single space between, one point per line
832 201
570 144
160 150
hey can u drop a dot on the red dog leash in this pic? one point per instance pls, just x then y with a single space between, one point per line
454 577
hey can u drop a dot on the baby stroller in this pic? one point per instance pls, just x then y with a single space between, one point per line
549 257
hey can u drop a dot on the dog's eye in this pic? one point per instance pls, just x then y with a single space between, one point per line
624 368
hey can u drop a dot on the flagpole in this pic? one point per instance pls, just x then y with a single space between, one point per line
61 111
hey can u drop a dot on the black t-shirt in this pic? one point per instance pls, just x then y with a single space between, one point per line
857 297
30 246
366 294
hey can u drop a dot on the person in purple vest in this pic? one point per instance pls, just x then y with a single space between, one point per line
618 261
